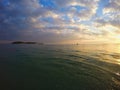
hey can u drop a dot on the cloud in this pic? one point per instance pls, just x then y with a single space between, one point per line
112 12
57 20
112 7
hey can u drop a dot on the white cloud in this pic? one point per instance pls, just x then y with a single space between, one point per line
70 23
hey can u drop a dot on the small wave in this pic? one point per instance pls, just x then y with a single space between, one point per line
117 82
118 74
116 56
73 56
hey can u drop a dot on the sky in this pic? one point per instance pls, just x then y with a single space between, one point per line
60 21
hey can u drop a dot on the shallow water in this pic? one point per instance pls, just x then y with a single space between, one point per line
60 67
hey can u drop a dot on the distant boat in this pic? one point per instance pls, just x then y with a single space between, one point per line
77 44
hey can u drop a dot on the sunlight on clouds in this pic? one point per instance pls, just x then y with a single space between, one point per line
70 20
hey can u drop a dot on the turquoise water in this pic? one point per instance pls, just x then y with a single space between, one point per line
59 67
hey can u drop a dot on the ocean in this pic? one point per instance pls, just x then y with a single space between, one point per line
60 67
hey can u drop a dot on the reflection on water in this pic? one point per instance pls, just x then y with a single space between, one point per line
60 67
105 52
118 61
111 48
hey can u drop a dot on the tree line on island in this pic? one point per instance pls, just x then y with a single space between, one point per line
23 42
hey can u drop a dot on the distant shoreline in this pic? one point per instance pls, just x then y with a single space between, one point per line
22 42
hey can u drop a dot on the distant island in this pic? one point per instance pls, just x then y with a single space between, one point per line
22 42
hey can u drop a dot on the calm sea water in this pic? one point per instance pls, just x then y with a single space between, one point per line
60 67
